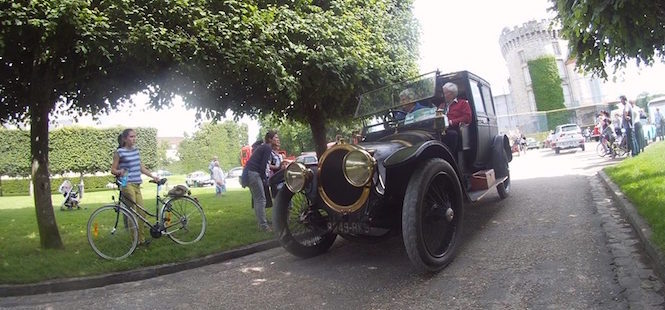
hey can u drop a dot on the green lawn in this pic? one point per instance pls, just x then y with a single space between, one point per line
642 179
231 224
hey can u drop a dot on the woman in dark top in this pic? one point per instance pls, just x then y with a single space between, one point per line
254 174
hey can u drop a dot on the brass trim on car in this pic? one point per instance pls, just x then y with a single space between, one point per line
366 189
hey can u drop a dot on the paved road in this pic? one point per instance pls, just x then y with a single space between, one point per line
557 242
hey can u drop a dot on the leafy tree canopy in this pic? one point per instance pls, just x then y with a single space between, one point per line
223 140
616 31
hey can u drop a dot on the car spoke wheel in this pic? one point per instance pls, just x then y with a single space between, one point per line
432 215
302 229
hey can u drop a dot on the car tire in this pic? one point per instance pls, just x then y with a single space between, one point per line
300 228
582 146
432 215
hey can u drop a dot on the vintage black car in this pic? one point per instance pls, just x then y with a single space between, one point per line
401 177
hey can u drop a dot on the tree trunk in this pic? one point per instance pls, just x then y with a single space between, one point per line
318 126
48 229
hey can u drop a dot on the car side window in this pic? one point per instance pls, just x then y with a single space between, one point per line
477 97
487 98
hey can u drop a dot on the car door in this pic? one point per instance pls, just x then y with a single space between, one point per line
484 123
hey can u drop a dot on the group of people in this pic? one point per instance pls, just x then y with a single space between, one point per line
262 164
625 126
457 110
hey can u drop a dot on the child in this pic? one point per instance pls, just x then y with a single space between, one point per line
126 160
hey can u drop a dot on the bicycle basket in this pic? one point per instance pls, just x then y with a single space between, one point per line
179 190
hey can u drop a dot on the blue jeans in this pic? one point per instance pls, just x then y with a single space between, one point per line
255 184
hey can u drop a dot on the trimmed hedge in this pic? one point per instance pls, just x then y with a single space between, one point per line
21 187
75 149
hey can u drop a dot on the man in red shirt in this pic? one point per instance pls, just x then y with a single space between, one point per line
458 112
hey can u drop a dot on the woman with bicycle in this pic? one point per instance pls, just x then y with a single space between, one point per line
127 163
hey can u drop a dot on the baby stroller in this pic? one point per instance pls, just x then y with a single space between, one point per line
71 201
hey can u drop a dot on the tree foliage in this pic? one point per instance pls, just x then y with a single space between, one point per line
306 59
296 137
223 140
602 32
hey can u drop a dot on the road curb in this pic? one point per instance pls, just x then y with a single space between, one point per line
639 225
61 285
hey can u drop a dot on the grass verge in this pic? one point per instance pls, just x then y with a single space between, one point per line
642 180
231 224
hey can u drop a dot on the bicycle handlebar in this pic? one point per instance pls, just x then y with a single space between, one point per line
161 181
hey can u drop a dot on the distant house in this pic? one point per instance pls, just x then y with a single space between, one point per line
173 142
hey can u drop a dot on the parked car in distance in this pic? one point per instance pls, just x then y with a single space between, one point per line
531 143
163 173
307 159
547 143
199 178
234 173
567 136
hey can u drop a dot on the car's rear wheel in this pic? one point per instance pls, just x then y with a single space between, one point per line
302 229
432 215
582 147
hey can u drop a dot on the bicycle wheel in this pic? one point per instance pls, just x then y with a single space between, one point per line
184 220
601 150
112 232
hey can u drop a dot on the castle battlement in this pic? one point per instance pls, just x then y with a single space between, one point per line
533 30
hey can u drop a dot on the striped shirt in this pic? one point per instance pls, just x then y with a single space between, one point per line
131 162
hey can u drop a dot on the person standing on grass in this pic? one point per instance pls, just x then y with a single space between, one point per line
127 162
211 166
254 176
660 124
218 177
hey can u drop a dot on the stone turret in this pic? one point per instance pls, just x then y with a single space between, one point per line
533 40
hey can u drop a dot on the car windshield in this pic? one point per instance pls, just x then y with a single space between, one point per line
386 98
570 128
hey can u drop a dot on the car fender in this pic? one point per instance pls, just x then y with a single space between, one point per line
419 152
502 141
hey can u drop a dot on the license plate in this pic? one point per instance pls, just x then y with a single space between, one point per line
349 228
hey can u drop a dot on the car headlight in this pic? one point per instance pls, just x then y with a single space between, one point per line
358 167
297 176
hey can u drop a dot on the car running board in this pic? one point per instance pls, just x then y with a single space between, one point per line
479 194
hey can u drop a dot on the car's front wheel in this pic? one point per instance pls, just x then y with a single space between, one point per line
432 215
302 228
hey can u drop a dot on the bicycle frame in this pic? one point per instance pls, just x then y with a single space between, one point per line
124 202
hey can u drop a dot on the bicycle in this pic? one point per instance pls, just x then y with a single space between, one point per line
614 148
113 229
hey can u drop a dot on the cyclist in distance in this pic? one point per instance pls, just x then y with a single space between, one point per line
127 163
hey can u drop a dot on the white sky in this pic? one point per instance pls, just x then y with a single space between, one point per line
455 35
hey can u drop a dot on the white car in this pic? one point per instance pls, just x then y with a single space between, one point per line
568 136
234 172
308 159
199 178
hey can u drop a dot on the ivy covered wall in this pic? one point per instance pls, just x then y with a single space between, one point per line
547 91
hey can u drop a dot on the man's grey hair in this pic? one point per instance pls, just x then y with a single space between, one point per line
450 87
408 93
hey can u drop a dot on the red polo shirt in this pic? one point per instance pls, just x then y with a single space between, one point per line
459 111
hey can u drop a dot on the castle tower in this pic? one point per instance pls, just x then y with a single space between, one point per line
533 40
